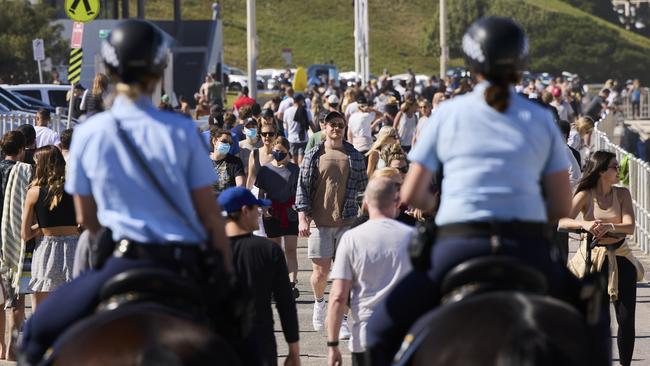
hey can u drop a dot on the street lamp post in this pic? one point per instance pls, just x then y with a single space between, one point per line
251 35
361 34
444 49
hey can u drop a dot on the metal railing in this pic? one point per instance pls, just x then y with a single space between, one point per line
9 122
639 183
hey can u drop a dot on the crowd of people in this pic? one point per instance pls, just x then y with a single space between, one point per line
352 168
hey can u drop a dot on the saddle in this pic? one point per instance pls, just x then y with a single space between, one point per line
489 274
154 285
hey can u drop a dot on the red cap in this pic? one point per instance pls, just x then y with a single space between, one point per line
556 92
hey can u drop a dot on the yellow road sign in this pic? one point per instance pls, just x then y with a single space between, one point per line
82 10
74 67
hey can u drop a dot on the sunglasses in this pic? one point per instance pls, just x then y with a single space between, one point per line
403 169
615 167
267 134
340 125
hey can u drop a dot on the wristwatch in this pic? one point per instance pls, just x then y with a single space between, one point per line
332 344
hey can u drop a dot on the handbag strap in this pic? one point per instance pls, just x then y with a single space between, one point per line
151 176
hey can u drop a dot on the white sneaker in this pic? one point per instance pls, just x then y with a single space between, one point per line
320 312
344 332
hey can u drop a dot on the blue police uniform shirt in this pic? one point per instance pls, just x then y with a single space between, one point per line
492 162
127 203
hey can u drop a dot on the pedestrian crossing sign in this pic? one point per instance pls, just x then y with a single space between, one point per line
82 10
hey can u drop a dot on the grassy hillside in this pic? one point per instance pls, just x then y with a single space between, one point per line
322 30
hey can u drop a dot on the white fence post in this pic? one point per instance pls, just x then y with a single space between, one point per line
57 119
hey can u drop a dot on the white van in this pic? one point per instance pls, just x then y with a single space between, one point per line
52 94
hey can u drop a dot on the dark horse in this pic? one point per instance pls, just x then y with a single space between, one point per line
495 313
147 317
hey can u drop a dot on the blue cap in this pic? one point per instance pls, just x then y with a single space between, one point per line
233 199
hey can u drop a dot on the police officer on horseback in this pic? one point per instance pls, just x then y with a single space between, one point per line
141 180
503 172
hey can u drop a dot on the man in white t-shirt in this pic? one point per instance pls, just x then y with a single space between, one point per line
45 135
370 260
360 125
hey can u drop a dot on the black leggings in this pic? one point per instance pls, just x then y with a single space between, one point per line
624 307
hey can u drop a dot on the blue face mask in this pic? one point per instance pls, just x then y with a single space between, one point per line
223 148
250 132
279 155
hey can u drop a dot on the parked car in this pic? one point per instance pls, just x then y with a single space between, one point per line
318 73
421 80
237 78
19 106
52 94
269 77
14 103
36 103
351 77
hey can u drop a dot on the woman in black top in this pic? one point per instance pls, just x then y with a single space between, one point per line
49 215
95 98
278 181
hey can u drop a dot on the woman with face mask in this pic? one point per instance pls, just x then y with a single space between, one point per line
250 143
229 168
278 182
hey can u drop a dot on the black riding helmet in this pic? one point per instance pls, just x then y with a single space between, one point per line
494 46
135 49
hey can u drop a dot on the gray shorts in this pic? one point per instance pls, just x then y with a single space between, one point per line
323 241
297 148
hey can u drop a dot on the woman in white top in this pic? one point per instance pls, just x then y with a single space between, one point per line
405 123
